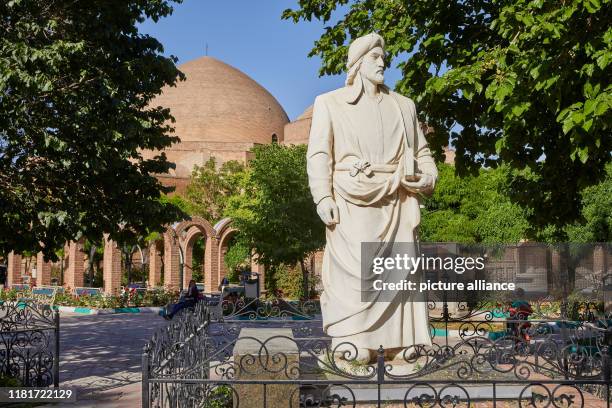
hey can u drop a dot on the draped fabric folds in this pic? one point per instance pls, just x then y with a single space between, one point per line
359 153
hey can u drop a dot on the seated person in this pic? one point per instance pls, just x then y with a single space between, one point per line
224 282
189 300
519 310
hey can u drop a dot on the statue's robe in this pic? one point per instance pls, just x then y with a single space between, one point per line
383 131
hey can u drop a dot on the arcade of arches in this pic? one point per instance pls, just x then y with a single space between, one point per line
173 250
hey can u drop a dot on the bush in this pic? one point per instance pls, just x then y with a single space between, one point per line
7 381
127 298
289 281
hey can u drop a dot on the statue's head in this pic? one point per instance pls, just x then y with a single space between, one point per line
366 58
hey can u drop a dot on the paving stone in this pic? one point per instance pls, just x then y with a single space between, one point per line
100 355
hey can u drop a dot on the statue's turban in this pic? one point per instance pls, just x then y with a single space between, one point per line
361 46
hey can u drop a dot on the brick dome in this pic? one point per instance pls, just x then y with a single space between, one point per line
297 131
219 103
307 114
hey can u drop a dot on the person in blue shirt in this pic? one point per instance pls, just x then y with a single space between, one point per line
189 300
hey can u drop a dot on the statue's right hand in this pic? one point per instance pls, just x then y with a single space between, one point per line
328 211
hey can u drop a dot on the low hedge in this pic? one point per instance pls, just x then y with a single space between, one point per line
127 298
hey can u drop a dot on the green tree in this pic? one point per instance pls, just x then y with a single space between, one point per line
197 259
521 82
595 224
77 81
275 213
473 209
237 258
211 186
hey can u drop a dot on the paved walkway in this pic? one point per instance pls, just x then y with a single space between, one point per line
101 356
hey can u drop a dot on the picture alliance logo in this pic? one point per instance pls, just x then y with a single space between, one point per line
458 264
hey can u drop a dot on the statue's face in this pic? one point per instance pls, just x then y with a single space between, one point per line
373 66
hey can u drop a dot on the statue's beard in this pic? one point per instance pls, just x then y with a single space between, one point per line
377 79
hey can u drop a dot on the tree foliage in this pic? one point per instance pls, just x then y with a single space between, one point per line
76 84
595 223
236 259
275 213
521 82
211 186
473 209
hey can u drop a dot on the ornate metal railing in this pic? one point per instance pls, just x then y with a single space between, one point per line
29 343
479 352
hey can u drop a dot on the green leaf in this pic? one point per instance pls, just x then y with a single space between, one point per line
583 154
568 125
589 106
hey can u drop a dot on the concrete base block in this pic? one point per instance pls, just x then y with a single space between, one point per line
266 354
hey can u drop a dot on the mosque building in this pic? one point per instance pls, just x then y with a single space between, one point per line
220 112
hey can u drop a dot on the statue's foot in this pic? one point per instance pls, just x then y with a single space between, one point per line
364 356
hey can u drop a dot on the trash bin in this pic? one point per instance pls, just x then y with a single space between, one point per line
251 285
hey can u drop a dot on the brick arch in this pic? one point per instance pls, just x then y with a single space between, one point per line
198 222
193 233
226 234
225 230
182 236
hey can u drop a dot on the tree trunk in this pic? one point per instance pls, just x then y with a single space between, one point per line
61 279
304 280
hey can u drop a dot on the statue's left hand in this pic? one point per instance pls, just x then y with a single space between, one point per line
425 183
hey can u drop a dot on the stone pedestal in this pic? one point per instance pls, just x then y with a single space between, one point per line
279 360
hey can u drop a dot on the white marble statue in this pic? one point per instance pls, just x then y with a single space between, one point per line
368 162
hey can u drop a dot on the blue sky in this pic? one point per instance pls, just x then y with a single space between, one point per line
251 36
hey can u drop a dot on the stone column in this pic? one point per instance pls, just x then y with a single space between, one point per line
171 262
155 265
73 276
111 267
14 270
43 270
211 265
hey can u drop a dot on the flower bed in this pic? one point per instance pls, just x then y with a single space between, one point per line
128 298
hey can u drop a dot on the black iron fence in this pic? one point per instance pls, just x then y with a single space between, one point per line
480 353
29 344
